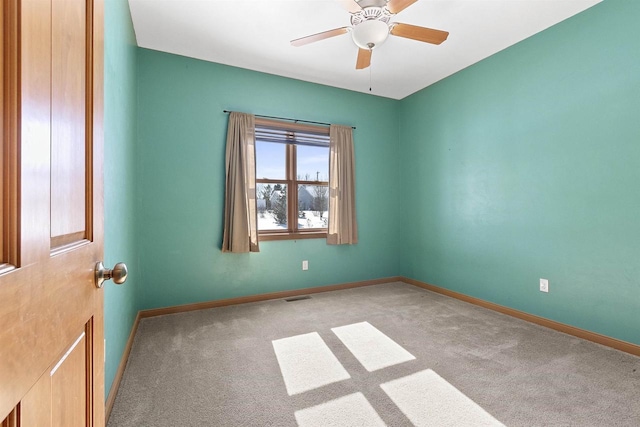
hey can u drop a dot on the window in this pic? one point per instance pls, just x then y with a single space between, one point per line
292 180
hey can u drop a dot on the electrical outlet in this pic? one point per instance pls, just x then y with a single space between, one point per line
305 265
544 285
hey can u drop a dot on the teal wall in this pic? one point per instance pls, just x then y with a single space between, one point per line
119 179
527 165
522 166
181 137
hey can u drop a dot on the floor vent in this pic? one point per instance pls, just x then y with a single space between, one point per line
300 298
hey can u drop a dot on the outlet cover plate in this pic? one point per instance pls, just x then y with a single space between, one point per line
544 285
305 265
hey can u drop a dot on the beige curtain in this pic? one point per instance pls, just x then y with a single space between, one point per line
343 228
240 216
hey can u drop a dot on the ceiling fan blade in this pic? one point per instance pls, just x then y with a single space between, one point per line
422 34
364 59
397 6
351 5
317 37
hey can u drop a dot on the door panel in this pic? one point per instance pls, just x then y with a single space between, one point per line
33 120
69 385
68 113
35 407
47 299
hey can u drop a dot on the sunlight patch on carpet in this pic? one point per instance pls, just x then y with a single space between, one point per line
428 400
351 410
307 363
373 349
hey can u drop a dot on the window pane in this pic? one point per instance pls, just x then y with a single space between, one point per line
270 160
313 163
313 205
271 200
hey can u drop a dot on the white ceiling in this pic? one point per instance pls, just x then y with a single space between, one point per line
255 34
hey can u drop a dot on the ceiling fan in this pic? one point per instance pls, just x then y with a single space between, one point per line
370 27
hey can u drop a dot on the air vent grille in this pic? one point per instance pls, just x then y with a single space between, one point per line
300 298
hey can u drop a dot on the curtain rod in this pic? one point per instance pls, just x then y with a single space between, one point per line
291 120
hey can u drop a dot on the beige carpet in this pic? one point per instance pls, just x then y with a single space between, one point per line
389 354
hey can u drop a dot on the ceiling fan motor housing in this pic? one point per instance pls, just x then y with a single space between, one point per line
371 13
371 3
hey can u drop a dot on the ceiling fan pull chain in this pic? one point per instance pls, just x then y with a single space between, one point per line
370 66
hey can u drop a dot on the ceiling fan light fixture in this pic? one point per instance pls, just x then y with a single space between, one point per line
370 34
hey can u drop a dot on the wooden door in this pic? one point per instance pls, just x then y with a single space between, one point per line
51 225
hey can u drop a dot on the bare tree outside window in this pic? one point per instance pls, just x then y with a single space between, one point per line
280 206
320 199
266 192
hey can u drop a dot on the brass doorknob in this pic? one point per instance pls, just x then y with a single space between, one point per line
118 274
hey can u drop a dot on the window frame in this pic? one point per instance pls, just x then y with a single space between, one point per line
291 181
